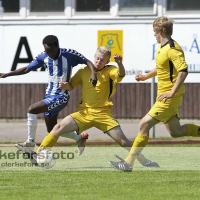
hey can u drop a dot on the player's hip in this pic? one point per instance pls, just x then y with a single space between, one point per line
163 111
55 103
101 118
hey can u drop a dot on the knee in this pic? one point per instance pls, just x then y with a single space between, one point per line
31 109
57 126
143 126
175 134
125 143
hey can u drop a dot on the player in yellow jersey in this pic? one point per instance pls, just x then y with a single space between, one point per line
171 70
95 105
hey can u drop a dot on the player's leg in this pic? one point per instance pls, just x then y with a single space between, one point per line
177 130
67 125
174 128
55 104
139 143
105 121
83 121
32 121
51 121
161 111
118 136
80 139
142 138
78 121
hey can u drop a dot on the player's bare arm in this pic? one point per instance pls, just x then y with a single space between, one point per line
179 82
140 77
93 77
20 71
65 86
118 60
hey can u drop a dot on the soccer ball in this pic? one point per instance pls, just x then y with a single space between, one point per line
46 159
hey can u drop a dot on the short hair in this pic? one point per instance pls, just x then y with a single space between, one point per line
163 24
104 50
50 40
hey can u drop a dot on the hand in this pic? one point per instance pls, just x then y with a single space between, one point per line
93 79
117 58
140 77
3 75
65 86
165 96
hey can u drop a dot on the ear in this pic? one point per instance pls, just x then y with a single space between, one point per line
108 61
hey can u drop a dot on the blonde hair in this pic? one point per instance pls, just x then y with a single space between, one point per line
104 50
163 24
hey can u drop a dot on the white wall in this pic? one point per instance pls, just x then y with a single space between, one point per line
138 43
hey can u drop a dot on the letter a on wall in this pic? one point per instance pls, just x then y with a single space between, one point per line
17 59
112 39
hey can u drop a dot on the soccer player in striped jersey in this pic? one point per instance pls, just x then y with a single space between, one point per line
171 70
95 104
59 63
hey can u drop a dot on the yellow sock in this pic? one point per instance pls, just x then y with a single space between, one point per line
138 144
193 130
48 142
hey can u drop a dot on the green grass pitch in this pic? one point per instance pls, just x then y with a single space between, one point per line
90 177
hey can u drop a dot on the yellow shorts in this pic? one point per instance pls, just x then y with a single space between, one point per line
165 111
100 118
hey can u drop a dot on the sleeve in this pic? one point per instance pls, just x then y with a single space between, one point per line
114 75
178 59
76 57
37 62
76 79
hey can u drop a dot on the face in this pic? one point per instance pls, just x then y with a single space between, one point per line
52 51
157 35
100 60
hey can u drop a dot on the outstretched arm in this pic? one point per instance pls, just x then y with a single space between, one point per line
118 60
93 77
20 71
140 77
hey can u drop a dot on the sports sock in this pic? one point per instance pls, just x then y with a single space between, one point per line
193 130
72 135
32 126
138 144
48 142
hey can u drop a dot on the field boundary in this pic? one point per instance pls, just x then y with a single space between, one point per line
111 143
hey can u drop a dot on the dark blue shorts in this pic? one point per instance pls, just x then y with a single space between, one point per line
55 103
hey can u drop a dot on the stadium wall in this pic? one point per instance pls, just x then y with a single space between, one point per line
132 100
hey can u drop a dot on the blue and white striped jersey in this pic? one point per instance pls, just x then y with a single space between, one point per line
58 70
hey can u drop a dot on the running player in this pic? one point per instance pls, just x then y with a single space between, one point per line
171 70
59 63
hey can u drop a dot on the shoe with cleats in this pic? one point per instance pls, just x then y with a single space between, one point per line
81 142
28 146
29 154
150 163
122 165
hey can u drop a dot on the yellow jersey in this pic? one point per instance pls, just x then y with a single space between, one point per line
170 60
99 96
